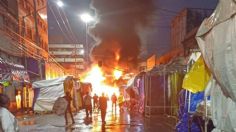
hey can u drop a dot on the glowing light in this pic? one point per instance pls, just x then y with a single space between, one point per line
96 77
117 74
81 52
117 55
18 100
86 18
60 3
43 16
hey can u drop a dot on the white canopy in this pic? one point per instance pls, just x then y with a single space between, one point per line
49 91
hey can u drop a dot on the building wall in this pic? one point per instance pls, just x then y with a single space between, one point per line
9 50
27 26
34 47
70 56
178 29
184 22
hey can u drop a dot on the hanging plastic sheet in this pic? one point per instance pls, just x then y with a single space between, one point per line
184 117
217 40
223 110
197 78
47 92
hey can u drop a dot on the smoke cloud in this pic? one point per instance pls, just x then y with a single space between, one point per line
118 42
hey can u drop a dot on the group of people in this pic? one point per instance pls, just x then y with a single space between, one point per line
100 103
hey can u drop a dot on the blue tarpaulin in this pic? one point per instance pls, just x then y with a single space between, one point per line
184 114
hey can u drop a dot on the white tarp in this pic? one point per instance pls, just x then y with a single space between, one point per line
222 110
50 90
217 40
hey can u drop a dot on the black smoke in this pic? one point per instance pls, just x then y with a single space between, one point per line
116 30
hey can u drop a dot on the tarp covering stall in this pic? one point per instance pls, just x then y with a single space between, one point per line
217 40
175 71
186 107
155 92
47 92
135 89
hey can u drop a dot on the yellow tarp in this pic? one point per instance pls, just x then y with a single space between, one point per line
197 78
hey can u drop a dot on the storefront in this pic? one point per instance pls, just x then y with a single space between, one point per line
15 84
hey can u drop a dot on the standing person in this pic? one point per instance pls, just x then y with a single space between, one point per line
103 107
95 101
68 98
114 99
8 122
121 101
68 87
88 105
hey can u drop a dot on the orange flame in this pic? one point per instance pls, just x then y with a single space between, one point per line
117 55
117 74
97 78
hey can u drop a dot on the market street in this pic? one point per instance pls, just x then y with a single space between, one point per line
169 65
123 122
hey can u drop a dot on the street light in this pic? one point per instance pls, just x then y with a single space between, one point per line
60 3
86 18
81 52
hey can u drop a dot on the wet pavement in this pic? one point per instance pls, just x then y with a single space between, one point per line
115 122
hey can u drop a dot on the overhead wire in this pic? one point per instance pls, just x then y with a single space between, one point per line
25 49
66 26
32 45
59 25
70 26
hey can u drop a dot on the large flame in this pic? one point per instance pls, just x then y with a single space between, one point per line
97 78
117 74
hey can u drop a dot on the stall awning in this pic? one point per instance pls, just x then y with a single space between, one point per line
13 72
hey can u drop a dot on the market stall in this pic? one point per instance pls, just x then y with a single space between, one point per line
48 91
14 78
135 89
192 96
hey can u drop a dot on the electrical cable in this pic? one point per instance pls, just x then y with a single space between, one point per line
59 25
26 50
69 26
66 27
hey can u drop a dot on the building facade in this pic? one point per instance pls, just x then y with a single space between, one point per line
184 22
70 56
23 46
34 36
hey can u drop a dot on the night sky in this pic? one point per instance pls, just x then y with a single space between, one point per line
155 40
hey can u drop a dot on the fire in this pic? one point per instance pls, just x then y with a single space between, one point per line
97 78
117 54
117 74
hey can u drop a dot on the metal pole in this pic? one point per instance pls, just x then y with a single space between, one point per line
75 60
164 90
37 39
23 43
86 42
